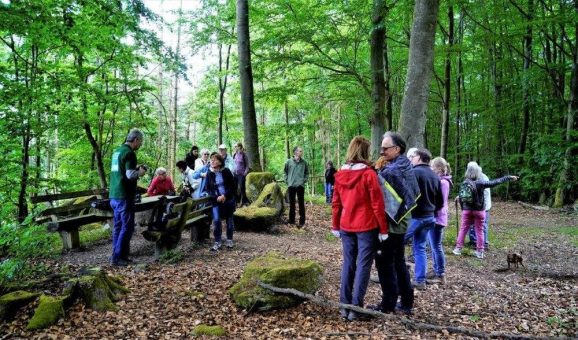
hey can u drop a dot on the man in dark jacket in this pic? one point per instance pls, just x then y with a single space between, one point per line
423 216
400 192
296 174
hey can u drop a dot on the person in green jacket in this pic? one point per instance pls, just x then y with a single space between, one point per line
124 174
296 173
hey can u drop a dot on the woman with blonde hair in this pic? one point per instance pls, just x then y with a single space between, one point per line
359 220
435 236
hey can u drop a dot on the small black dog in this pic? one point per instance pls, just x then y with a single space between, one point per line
515 259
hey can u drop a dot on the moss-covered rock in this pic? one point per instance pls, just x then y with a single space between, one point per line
49 310
263 212
253 218
209 330
271 196
96 289
255 182
11 302
303 275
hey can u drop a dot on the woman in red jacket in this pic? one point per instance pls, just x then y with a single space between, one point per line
162 184
359 220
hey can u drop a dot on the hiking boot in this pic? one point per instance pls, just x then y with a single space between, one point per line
419 285
479 254
344 313
439 279
431 275
229 244
442 279
216 246
457 251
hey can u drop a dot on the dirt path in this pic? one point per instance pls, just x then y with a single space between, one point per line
478 295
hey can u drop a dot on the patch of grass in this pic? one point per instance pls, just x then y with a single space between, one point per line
93 234
475 318
315 199
330 238
172 256
572 232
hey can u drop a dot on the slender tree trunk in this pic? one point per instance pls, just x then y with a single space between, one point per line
287 147
459 82
566 193
222 88
388 97
377 76
447 86
419 71
527 85
246 77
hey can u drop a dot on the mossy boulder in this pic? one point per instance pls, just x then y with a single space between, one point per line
274 269
255 182
11 302
209 330
263 212
49 310
255 218
96 289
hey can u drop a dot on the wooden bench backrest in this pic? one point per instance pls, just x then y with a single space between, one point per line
66 195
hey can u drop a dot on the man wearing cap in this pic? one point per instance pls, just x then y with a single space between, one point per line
229 161
296 173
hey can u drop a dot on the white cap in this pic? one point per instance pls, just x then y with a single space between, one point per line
222 146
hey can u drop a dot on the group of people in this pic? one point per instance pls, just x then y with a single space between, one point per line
378 208
216 175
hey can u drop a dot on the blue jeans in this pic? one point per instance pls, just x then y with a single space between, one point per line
472 233
328 192
217 232
435 237
358 253
419 229
123 228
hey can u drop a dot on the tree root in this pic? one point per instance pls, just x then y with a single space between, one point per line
404 321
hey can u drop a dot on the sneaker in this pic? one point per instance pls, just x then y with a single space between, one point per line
229 244
442 279
438 279
479 254
431 275
457 251
419 285
344 313
355 316
216 246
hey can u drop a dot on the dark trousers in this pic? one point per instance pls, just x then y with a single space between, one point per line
358 253
123 228
300 192
393 274
241 194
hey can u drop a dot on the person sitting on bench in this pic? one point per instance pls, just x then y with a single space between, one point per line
162 184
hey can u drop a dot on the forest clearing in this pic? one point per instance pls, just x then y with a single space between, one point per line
480 295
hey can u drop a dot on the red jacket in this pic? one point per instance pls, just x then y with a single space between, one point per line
358 204
160 186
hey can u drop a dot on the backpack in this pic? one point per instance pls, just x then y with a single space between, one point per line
467 192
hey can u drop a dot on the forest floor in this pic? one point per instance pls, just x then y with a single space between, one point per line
481 295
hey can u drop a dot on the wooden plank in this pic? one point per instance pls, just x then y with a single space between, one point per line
74 223
65 195
67 209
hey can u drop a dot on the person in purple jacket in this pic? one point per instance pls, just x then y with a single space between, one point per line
435 235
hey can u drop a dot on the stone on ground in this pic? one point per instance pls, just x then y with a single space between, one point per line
49 310
10 303
274 269
263 212
255 182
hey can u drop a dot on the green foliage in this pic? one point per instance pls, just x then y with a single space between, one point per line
172 256
215 330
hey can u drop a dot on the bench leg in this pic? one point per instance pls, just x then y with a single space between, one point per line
70 239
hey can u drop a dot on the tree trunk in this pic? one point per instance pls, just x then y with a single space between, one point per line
246 77
175 116
526 80
377 76
388 99
565 193
447 86
459 82
419 71
287 147
222 88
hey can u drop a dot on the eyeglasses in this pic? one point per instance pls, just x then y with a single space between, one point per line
385 148
205 154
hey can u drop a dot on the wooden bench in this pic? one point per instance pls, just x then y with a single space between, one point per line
66 219
194 215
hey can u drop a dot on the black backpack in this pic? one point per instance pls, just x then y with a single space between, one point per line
468 193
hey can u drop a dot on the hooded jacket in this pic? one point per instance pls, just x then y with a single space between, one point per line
400 177
442 214
358 204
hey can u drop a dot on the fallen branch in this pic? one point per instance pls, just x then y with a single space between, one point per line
405 321
535 207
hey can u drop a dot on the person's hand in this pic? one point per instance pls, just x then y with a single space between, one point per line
514 178
382 237
221 199
141 171
336 233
